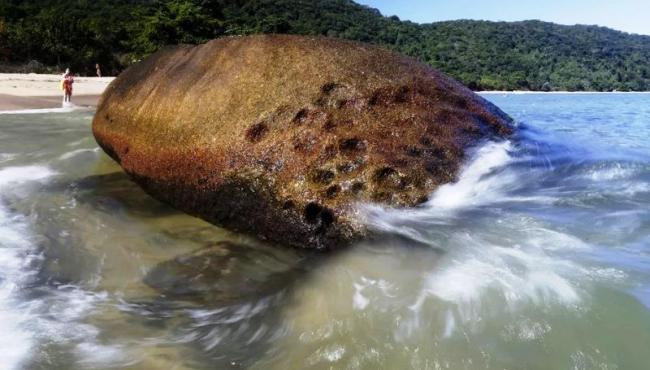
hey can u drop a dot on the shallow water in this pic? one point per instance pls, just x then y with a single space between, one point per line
537 258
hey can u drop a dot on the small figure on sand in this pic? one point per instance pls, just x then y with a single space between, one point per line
99 70
66 85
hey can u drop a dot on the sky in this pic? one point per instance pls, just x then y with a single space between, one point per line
625 15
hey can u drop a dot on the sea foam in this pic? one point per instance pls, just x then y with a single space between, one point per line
15 258
67 108
482 181
55 317
526 269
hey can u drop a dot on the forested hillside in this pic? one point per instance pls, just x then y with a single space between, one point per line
529 55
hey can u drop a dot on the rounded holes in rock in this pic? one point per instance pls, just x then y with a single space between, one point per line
256 132
353 144
374 100
357 187
332 191
426 141
413 151
326 217
435 153
381 196
322 176
329 125
310 115
312 211
301 116
389 178
346 167
379 97
317 215
441 170
384 174
329 87
402 94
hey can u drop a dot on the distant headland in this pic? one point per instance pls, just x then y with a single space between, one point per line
528 55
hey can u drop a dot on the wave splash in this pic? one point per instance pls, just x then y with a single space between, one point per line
54 317
15 262
65 108
483 181
501 249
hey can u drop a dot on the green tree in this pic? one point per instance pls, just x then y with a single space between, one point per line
175 22
484 55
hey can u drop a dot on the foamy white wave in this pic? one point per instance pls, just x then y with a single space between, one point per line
60 319
76 143
94 355
610 274
602 191
616 172
484 279
329 354
76 152
24 323
20 174
15 341
525 330
482 181
544 239
634 188
64 109
6 157
15 257
359 300
478 273
518 274
474 186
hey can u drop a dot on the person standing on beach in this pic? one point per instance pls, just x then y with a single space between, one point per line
66 85
99 70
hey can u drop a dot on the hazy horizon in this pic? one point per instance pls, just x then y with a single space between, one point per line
626 15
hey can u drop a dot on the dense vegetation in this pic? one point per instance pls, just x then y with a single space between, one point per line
484 55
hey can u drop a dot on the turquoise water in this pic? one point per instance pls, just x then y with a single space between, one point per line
537 258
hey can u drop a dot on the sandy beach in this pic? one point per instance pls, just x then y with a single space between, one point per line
34 91
39 91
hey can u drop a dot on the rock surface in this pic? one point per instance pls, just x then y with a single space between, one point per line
283 136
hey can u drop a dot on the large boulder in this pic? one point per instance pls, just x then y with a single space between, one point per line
284 136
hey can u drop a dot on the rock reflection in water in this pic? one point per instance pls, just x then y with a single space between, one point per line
231 296
225 273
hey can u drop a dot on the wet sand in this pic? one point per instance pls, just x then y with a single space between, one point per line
12 102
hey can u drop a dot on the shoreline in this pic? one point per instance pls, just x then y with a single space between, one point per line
19 91
14 102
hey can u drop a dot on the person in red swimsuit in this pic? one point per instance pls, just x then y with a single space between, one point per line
66 84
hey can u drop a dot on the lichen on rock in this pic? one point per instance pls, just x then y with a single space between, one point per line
283 136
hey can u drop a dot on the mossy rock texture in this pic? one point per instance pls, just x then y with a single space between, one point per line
284 136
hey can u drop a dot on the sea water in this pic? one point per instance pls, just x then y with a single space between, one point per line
538 257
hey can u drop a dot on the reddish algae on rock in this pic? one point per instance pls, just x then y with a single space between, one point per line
283 136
